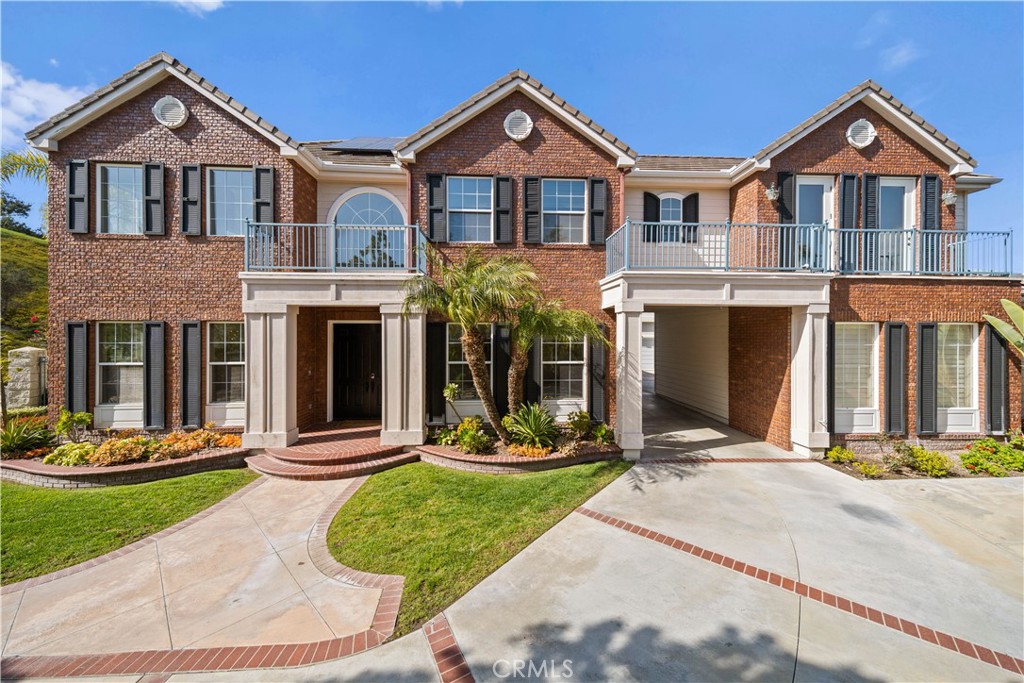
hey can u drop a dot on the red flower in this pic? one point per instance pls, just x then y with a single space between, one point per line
35 331
35 318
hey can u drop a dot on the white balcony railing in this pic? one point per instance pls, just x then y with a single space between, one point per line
311 247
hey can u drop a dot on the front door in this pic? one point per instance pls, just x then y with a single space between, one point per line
356 372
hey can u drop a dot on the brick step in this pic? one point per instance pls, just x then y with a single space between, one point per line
333 454
269 465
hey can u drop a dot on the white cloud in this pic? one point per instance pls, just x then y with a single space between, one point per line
438 5
899 55
876 25
26 102
198 7
54 62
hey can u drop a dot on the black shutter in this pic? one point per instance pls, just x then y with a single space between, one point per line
996 400
437 228
153 362
927 378
191 374
191 199
502 209
787 198
848 197
76 367
598 364
870 219
437 360
830 381
691 214
78 195
531 385
531 209
598 210
895 378
930 220
502 360
652 214
153 199
262 194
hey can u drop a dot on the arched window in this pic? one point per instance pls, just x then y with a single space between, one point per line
368 208
671 208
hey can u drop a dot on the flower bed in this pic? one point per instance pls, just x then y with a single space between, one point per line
900 460
506 463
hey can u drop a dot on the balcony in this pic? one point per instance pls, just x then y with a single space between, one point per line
765 247
325 248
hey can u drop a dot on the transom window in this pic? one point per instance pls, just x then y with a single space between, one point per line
368 208
564 208
120 199
470 204
229 192
956 377
562 369
120 358
458 368
226 353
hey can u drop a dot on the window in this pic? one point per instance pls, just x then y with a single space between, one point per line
564 208
120 363
368 208
856 377
895 214
229 193
227 362
806 248
562 369
458 368
469 209
956 380
120 199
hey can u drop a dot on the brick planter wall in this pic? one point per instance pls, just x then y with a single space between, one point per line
511 464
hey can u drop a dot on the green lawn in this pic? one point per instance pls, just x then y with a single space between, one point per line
43 530
445 530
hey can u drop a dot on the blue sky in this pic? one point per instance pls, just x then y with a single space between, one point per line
683 78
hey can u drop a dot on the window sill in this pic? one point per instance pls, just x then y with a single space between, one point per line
124 236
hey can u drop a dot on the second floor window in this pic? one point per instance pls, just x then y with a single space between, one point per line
564 206
120 199
470 205
230 200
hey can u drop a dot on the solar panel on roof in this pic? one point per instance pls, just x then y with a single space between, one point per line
364 144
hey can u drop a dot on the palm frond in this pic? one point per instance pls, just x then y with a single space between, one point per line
26 163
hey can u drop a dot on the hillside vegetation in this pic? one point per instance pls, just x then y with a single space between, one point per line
24 289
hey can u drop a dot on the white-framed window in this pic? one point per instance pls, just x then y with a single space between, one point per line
369 208
458 368
119 357
896 197
814 201
562 366
855 378
470 209
226 361
564 210
119 206
957 377
228 200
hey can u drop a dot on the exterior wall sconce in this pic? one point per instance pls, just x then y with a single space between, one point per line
949 197
772 192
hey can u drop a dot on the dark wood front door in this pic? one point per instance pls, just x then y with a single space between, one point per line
356 381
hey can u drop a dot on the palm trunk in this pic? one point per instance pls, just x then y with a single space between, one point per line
520 360
473 349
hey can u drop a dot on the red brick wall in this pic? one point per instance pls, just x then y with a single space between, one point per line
481 147
917 300
759 359
170 277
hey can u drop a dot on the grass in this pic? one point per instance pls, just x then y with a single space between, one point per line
49 529
445 530
28 255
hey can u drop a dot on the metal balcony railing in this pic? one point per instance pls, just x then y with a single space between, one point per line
806 248
325 248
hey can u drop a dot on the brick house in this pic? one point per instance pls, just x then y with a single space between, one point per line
205 266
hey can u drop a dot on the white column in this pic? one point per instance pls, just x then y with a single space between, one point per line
809 380
270 355
403 357
629 383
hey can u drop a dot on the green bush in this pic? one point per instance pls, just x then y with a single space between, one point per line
920 459
579 424
869 470
994 457
37 411
602 434
446 437
471 437
71 454
533 425
840 455
20 436
72 426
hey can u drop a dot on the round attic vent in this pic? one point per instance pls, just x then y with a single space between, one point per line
861 133
518 125
170 111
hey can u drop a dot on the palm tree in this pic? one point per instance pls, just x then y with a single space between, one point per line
476 291
543 319
27 163
1012 333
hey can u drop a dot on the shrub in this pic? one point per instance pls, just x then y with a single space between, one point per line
603 434
122 451
918 459
579 424
529 451
533 425
36 421
470 435
19 436
229 441
994 457
840 455
869 470
36 411
72 426
71 454
446 437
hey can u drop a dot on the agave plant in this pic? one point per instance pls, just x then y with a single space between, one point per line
532 425
1012 333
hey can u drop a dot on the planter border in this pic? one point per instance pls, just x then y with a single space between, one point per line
513 464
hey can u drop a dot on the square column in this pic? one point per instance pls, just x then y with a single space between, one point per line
270 366
403 358
809 380
629 379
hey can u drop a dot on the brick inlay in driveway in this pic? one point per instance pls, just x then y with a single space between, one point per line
949 642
